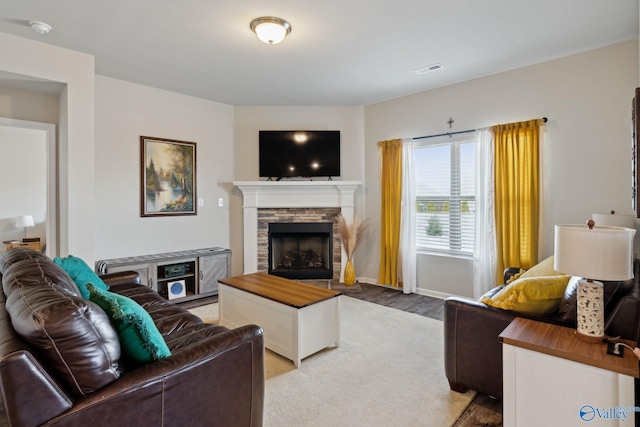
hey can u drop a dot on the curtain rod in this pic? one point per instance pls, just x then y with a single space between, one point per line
445 134
544 119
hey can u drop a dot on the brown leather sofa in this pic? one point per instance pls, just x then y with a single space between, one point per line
214 376
473 353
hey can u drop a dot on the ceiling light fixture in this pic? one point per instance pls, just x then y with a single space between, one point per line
40 27
270 29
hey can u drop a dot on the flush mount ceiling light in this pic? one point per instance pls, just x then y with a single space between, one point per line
270 29
40 27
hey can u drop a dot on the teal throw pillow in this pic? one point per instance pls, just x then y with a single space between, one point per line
140 340
80 273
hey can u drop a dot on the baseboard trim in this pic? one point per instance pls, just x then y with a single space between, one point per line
433 294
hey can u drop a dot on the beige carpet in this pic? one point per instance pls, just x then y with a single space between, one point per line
387 371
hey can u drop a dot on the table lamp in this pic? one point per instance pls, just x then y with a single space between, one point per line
594 253
615 219
24 222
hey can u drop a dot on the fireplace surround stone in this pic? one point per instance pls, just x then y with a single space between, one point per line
268 216
308 196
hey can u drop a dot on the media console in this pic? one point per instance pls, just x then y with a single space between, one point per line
177 276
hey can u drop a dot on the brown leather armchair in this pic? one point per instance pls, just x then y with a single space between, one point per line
473 353
214 376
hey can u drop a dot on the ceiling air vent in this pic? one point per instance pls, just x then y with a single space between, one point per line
430 68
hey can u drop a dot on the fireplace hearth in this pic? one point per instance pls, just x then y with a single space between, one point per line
301 250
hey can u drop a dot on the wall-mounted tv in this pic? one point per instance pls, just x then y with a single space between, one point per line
308 153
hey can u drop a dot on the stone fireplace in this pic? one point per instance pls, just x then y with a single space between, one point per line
295 216
266 202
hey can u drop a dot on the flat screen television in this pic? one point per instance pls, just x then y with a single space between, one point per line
309 153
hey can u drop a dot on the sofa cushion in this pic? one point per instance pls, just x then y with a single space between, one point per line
569 298
533 296
73 335
23 270
19 254
140 339
81 274
613 292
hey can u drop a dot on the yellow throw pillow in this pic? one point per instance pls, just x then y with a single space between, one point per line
534 296
543 268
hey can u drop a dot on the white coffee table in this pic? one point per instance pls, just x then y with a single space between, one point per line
298 319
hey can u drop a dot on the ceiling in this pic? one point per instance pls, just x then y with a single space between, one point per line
339 52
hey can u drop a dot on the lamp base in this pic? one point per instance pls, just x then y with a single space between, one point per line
590 310
590 338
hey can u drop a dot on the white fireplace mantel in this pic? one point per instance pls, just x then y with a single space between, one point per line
290 194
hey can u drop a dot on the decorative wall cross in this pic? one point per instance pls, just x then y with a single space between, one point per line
450 121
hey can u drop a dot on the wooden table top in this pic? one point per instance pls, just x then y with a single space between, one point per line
279 289
561 341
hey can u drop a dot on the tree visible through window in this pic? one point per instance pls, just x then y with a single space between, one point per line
445 176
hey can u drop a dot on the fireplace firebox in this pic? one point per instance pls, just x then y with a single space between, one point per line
300 250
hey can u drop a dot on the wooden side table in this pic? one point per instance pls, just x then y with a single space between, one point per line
13 244
550 377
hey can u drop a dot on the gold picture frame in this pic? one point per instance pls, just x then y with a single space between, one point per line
635 147
168 177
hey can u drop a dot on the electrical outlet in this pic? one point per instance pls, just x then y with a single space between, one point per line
611 350
220 202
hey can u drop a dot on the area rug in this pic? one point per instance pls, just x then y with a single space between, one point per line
387 371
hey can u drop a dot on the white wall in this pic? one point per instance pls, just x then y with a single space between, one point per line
23 104
76 132
249 120
124 112
587 99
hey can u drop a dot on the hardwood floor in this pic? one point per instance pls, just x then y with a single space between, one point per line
483 410
394 298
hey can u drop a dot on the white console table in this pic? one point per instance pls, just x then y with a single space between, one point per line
550 377
197 271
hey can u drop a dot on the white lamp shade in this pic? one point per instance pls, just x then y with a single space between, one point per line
600 253
615 220
24 221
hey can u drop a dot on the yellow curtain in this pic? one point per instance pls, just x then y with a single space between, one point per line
390 210
517 194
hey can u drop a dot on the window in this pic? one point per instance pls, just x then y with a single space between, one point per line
445 176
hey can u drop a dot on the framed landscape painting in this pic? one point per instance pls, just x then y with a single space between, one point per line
168 177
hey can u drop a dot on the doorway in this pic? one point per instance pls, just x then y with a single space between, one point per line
28 167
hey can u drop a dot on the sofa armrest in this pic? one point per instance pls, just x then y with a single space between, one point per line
121 278
473 353
21 376
220 377
625 319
